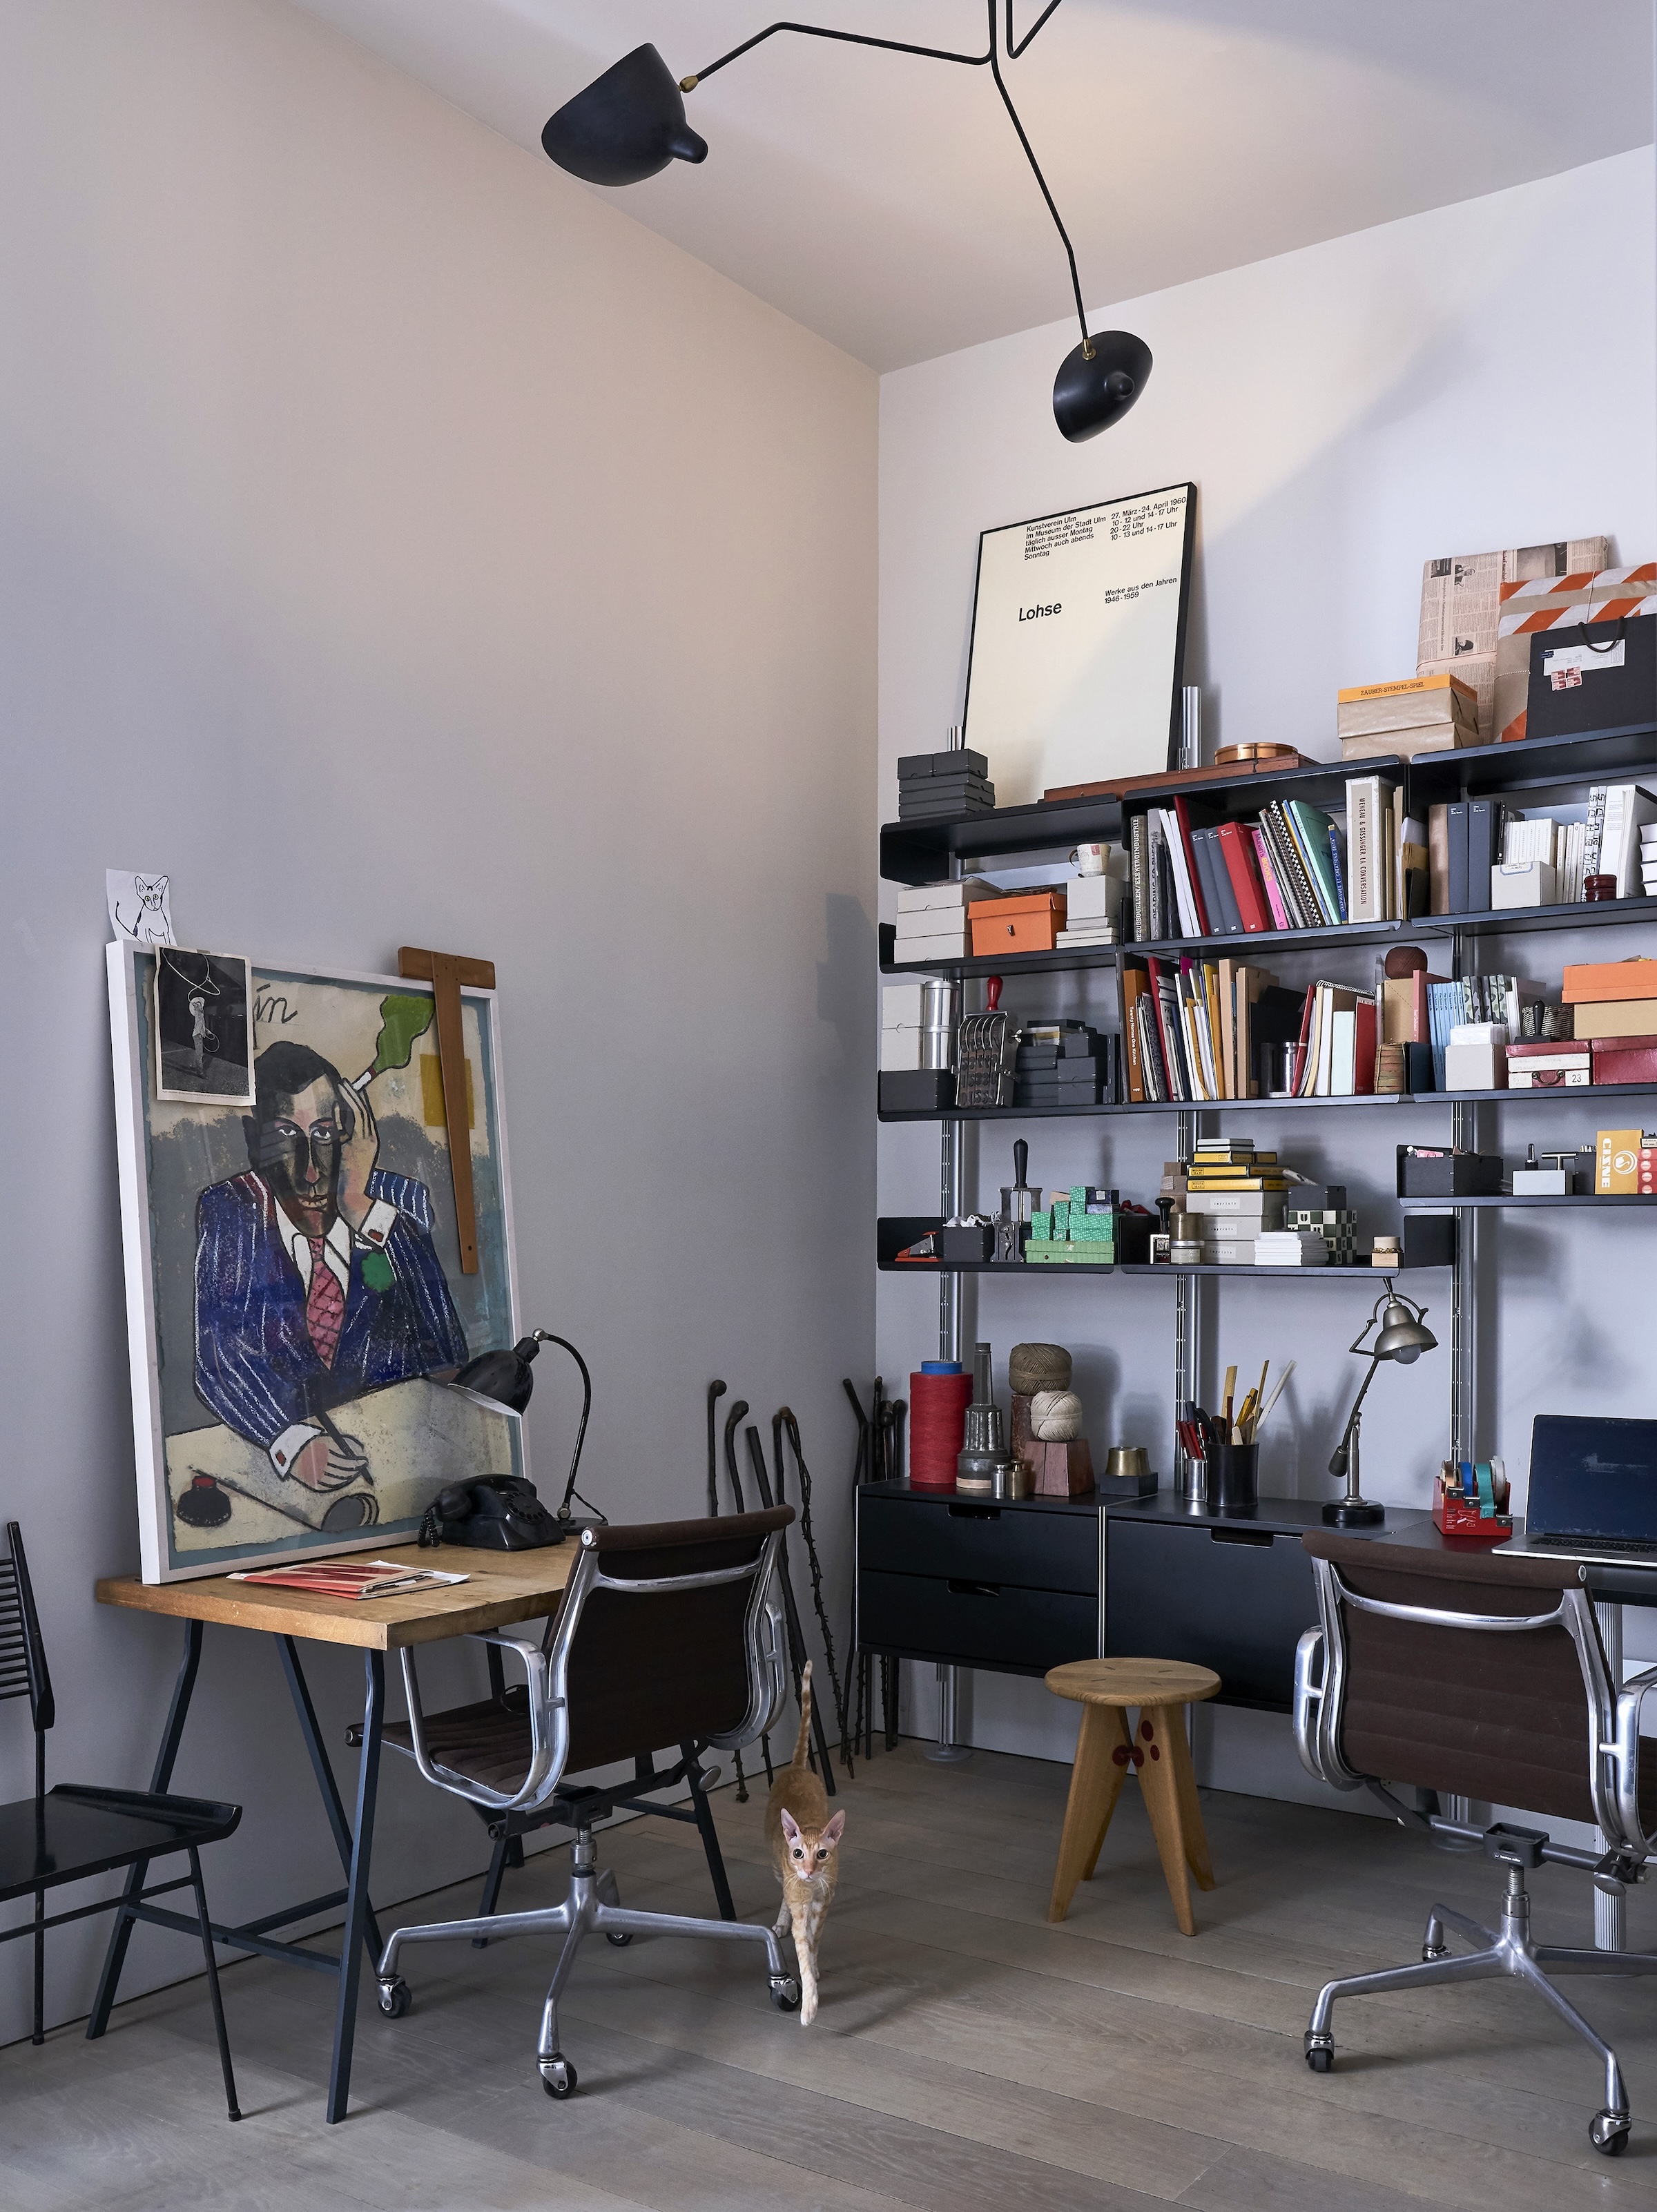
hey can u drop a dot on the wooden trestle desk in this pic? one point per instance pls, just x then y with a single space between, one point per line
504 1587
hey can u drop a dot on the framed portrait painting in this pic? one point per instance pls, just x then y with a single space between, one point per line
1077 657
295 1301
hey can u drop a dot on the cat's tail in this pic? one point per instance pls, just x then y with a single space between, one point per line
803 1747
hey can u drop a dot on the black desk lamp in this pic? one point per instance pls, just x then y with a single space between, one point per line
1404 1336
630 122
506 1377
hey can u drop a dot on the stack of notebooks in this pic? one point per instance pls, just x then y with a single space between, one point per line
938 787
1092 904
932 921
1062 1063
1193 1029
1295 867
1418 714
1237 1194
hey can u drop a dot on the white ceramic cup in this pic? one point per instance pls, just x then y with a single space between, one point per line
1090 859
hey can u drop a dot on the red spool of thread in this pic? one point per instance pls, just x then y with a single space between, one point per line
937 1427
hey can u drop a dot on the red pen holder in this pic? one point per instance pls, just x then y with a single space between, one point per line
1457 1516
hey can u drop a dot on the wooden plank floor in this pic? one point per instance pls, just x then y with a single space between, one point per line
967 2058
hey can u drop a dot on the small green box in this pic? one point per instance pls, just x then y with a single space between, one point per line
1040 1228
1092 1229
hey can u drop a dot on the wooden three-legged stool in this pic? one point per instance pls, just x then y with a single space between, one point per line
1161 1689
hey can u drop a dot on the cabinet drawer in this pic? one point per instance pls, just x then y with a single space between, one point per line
975 1622
1236 1600
950 1537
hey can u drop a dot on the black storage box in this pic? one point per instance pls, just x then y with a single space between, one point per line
956 1245
917 1091
1449 1175
1601 689
1429 1240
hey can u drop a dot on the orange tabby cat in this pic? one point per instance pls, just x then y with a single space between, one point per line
806 1851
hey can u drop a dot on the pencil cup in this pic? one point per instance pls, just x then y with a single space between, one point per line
1233 1477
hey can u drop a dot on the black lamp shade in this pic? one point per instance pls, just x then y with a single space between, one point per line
503 1375
1089 396
627 125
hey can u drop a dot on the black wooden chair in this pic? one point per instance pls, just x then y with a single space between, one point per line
73 1830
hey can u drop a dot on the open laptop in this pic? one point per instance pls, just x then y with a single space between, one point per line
1593 1490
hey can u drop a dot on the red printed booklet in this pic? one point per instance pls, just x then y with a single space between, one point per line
351 1578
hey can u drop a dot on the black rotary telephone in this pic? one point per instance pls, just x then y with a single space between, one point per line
491 1513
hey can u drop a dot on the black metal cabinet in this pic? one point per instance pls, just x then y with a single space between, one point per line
1013 1586
1020 1587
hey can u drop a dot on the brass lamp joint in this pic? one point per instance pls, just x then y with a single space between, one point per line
688 83
1087 348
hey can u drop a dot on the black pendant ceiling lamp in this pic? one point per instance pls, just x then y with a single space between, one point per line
630 122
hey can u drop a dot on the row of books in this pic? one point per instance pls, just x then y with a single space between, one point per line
1609 833
1191 1029
1295 867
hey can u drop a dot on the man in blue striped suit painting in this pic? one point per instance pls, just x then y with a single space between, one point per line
316 1276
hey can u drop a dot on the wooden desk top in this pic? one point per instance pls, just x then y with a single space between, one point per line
505 1587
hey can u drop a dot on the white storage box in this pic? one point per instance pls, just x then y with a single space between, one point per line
1476 1066
1522 882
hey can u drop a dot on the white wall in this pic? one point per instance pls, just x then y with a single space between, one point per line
1478 376
396 544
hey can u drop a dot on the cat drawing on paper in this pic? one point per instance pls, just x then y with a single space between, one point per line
806 1851
149 924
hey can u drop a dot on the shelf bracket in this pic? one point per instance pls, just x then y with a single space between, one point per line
1189 1475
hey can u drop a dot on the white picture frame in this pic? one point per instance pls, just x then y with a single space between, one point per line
415 1433
1077 659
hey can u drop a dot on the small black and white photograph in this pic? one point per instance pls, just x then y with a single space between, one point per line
203 1026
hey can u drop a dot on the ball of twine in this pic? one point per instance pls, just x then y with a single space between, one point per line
1032 1367
1056 1415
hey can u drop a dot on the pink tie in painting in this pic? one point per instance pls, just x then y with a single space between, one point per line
324 1305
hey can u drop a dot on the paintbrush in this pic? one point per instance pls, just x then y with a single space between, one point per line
1277 1393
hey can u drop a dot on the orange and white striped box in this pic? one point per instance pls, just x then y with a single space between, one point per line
1545 603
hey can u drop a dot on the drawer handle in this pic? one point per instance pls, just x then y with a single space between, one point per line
973 1589
975 1512
1241 1536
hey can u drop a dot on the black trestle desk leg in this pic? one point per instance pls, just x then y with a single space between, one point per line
322 1767
160 1776
358 1917
710 1834
500 1859
213 1984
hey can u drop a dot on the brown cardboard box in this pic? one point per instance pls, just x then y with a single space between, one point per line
1616 1018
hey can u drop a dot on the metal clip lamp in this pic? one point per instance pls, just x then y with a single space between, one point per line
506 1377
1404 1336
630 122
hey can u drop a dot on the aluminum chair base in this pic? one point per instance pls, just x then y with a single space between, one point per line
1511 1952
593 1906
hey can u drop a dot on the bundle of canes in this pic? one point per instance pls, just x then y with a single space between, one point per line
786 1422
715 1392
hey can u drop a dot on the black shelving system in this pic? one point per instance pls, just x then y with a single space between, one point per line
915 853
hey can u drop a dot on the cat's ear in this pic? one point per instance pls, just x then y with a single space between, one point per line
833 1830
790 1825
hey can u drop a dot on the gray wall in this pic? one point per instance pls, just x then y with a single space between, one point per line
399 546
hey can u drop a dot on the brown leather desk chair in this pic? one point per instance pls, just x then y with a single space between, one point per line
1478 1677
669 1633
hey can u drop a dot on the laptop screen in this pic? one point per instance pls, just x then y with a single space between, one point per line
1591 1477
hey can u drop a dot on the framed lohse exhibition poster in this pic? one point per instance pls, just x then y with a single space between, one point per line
1078 643
295 1297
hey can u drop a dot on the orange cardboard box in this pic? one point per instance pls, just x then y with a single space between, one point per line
1611 979
1616 1162
1029 923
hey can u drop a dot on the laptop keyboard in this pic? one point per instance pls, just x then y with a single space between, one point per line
1633 1546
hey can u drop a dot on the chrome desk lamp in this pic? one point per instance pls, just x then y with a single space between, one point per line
1404 1336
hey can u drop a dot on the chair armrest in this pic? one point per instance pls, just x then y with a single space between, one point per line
548 1738
1623 1751
1309 1699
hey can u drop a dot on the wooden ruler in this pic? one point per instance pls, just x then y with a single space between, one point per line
447 974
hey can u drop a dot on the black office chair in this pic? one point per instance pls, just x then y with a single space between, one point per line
667 1634
1457 1673
73 1831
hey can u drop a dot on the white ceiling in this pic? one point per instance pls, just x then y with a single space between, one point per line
884 201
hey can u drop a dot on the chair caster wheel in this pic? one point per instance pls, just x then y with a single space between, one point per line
621 1940
1609 2133
1321 2053
558 2077
395 1999
784 1992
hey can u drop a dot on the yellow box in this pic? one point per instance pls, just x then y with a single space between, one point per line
1616 1162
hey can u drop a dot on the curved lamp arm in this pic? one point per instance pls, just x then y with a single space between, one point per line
990 56
546 1336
